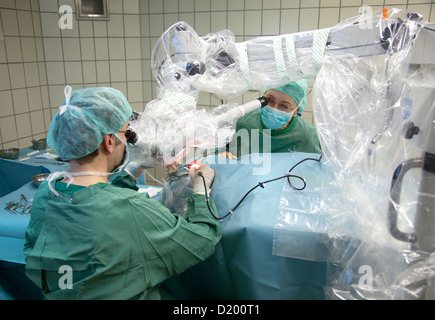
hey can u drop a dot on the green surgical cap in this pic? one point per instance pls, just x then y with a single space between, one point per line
297 90
86 115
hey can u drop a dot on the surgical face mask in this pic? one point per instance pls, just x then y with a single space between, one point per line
273 118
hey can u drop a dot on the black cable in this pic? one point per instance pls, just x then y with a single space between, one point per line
291 185
199 173
260 184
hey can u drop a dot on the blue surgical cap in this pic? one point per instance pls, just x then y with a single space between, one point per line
86 115
297 91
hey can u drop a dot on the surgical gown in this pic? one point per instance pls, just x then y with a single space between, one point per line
118 243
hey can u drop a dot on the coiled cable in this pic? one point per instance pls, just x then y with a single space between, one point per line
260 184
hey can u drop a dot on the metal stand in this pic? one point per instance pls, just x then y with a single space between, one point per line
424 223
423 238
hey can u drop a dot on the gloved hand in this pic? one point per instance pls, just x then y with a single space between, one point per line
195 173
135 169
228 155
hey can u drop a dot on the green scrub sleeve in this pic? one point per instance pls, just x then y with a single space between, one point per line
171 244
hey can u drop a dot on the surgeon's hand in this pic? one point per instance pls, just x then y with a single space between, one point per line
228 155
172 166
207 173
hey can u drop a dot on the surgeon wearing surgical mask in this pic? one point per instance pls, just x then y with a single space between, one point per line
279 125
280 110
114 242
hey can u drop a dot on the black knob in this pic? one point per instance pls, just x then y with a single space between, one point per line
409 130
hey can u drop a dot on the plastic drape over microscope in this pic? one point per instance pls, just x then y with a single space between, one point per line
185 64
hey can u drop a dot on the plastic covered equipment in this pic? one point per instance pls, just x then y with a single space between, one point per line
374 111
375 120
185 64
171 125
375 115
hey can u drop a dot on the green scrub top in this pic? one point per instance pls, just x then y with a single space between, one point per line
299 136
118 243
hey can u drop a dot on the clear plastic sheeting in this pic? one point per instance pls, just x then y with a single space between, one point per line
215 63
377 204
183 61
301 229
169 130
175 193
185 64
171 126
374 117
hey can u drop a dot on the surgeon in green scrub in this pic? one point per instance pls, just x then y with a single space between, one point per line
279 125
91 239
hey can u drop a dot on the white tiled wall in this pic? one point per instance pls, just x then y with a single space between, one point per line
24 112
94 53
37 58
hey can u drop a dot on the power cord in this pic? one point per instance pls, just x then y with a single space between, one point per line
260 184
199 173
303 160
